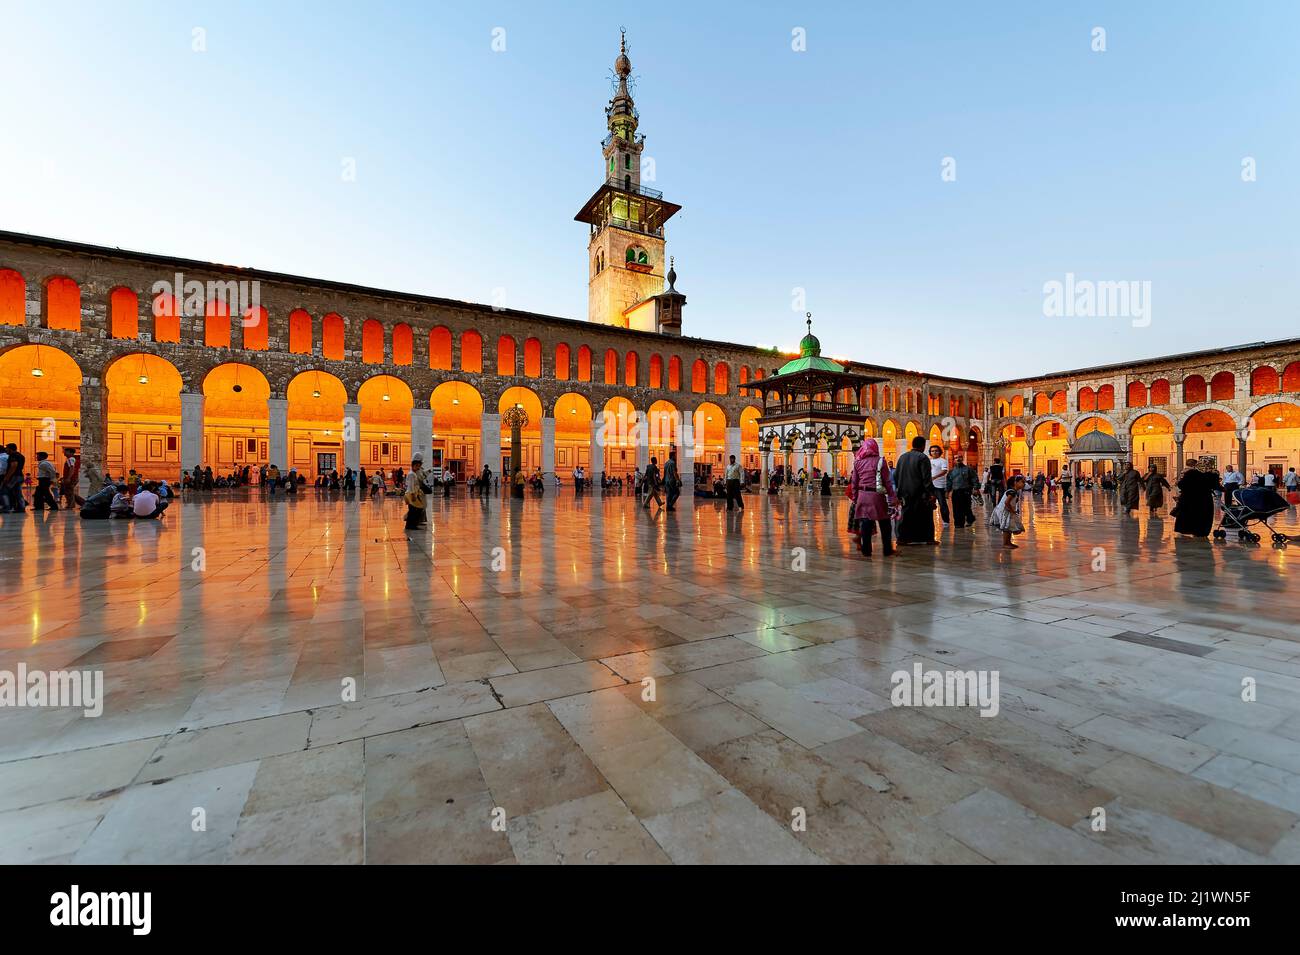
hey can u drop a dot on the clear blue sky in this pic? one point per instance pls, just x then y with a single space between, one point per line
818 169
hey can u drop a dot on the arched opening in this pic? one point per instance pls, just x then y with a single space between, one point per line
440 348
1137 395
506 356
618 431
62 304
629 369
458 429
674 374
1151 441
532 358
663 426
403 344
889 441
13 298
530 435
385 426
1042 403
562 363
742 379
471 352
584 363
123 313
1017 406
40 402
1210 438
749 456
299 332
974 440
1194 390
1050 445
611 367
656 371
1106 398
721 378
699 376
710 435
256 328
333 337
1273 440
372 342
166 318
1160 391
216 324
315 424
235 419
1291 377
1264 381
1223 386
573 434
1058 402
144 417
1094 423
1014 450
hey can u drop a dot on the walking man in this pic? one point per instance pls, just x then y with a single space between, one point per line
672 480
912 480
962 481
734 477
46 475
939 479
651 482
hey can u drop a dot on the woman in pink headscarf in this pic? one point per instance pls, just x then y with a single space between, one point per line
871 489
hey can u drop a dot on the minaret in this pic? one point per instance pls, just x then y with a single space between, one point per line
625 252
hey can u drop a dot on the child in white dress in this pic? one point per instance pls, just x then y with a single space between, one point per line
1006 516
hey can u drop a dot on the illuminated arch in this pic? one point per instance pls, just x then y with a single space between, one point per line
62 304
256 328
13 298
39 383
457 428
611 367
656 372
372 342
144 416
721 378
333 337
1137 395
674 373
123 313
506 356
630 369
699 376
384 431
663 426
532 358
166 318
1195 391
216 324
471 352
584 363
1223 386
1093 422
300 332
1264 380
562 358
1160 391
440 348
403 344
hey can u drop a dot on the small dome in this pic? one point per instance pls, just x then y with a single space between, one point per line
623 66
809 346
1097 442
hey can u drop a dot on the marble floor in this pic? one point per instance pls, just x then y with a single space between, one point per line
502 711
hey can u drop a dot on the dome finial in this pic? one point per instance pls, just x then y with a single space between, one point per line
622 65
809 346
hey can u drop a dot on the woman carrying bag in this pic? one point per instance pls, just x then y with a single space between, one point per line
414 496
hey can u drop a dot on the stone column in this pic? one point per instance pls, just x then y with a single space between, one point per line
1241 455
597 455
1029 460
731 446
191 431
686 458
548 451
352 436
491 430
764 467
94 435
642 441
277 445
422 435
1178 455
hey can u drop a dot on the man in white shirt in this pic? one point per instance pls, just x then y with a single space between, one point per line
146 503
1232 479
735 476
1291 480
939 476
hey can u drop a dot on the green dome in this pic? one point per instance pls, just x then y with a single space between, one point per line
809 346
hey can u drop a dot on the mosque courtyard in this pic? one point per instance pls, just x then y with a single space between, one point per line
578 680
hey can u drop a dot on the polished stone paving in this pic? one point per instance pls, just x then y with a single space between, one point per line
501 715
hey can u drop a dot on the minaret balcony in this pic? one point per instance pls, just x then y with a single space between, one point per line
629 225
636 189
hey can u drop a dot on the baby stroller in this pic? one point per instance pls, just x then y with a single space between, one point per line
1253 504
